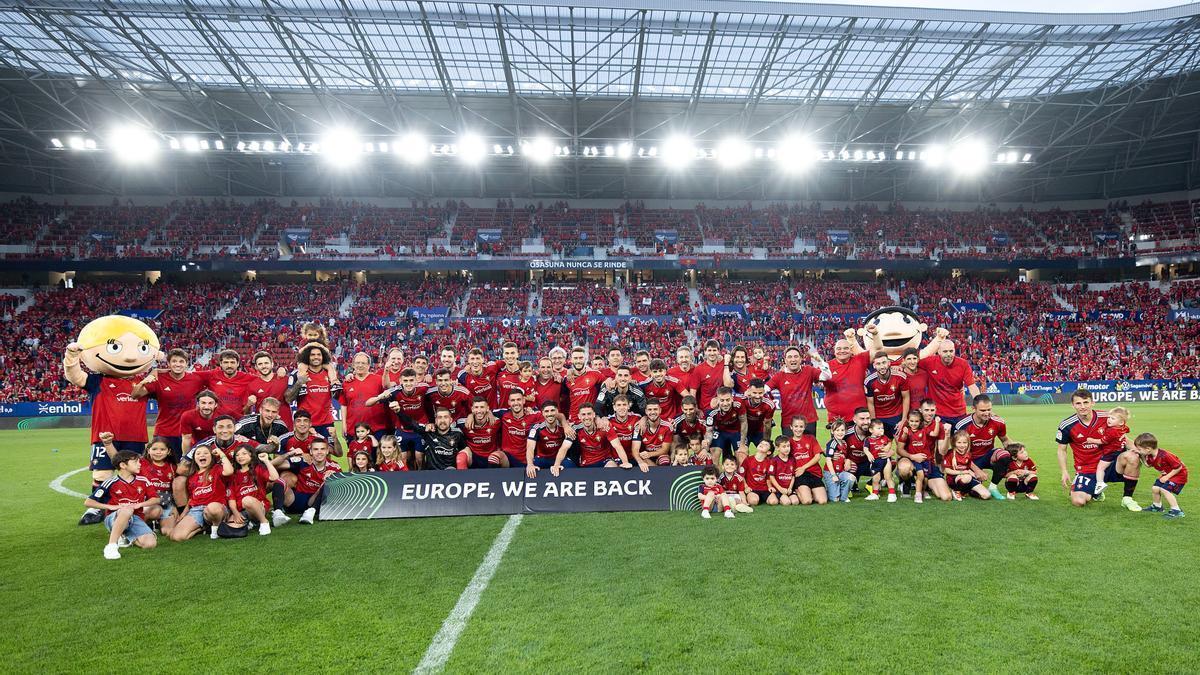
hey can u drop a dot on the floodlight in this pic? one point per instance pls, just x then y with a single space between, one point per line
471 149
540 150
969 157
609 151
268 146
625 150
133 144
219 144
412 148
191 144
678 151
56 142
342 147
733 152
934 156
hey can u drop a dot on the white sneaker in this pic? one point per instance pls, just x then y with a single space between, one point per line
1012 495
705 514
891 497
279 518
873 497
1130 504
213 533
957 496
729 514
918 499
264 528
123 541
112 552
1032 496
307 517
1100 485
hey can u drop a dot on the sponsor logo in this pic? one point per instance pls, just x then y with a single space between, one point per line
65 408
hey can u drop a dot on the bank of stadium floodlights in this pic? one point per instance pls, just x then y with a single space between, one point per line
344 147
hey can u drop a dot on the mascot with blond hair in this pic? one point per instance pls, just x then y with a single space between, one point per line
120 353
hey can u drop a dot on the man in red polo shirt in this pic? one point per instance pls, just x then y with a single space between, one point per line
948 374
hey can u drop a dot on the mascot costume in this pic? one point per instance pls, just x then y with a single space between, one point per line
895 329
117 350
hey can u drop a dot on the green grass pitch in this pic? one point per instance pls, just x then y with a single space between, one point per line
867 587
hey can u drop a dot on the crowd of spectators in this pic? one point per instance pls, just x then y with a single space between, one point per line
659 298
579 300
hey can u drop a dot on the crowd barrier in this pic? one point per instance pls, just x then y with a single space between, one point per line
359 496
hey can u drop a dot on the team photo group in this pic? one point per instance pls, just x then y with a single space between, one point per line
246 446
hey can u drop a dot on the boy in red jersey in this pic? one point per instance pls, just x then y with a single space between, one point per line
887 394
793 386
196 424
124 497
806 455
1173 475
755 469
663 388
116 349
781 475
735 486
711 494
1022 473
175 389
879 451
656 436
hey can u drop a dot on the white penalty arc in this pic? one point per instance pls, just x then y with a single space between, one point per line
443 643
57 484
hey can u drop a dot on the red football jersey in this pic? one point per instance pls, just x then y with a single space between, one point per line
624 431
252 483
1075 433
983 437
117 490
946 384
206 487
844 390
726 420
888 395
784 471
412 404
1165 461
514 431
1114 438
879 446
667 394
658 436
757 414
158 475
923 441
364 445
391 466
483 439
175 397
686 379
230 391
918 386
958 461
855 445
593 445
689 428
1018 465
732 482
583 389
458 402
316 397
795 392
711 489
754 470
354 396
835 454
550 392
805 449
310 479
506 380
115 409
547 441
275 388
199 426
479 385
708 378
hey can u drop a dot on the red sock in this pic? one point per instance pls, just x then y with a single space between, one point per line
725 508
891 491
462 461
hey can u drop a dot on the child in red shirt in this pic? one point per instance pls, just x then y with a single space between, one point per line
1022 472
735 486
1173 475
711 493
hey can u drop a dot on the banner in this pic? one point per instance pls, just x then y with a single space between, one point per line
57 408
1060 316
839 236
1113 315
1106 237
429 313
141 314
727 310
297 236
978 307
1001 239
548 264
359 496
1105 392
666 236
101 235
488 235
1186 314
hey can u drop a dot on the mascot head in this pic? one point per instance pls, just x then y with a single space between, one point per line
119 346
898 329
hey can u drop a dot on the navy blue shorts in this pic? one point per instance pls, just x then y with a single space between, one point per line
961 487
515 462
933 471
809 481
326 431
753 438
547 462
889 425
983 461
408 441
1085 483
300 503
1170 486
922 467
953 420
478 462
1110 456
862 468
879 465
762 495
598 464
726 440
100 460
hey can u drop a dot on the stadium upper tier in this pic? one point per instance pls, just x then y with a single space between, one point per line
1009 331
268 230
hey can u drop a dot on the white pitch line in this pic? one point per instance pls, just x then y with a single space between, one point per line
57 484
443 643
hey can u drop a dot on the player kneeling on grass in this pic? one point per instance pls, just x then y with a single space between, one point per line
253 475
960 472
1172 477
735 486
711 494
1022 472
781 475
306 497
206 493
127 498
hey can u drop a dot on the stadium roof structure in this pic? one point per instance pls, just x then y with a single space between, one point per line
1093 105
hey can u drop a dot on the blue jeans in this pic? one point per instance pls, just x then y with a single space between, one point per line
838 486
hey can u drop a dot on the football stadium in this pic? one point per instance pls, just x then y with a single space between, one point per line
402 335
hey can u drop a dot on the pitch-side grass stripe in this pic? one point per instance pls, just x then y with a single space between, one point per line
443 643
